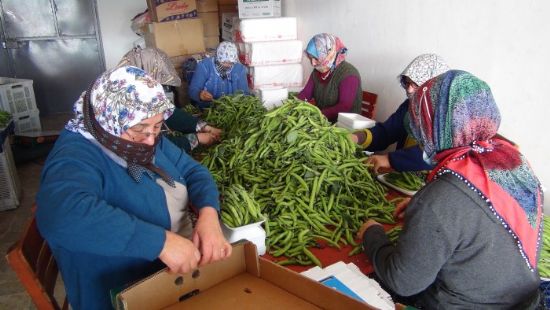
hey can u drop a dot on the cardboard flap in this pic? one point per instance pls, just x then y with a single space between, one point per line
168 289
322 296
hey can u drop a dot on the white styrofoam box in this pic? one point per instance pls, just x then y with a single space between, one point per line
267 29
287 76
355 121
259 8
9 181
271 52
251 232
272 97
27 122
17 96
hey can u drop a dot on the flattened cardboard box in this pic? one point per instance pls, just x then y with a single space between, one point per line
207 6
176 38
211 23
244 281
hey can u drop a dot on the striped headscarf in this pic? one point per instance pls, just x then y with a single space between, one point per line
455 118
328 49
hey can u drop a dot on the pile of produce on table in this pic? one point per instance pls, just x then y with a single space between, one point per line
302 173
409 180
5 118
544 256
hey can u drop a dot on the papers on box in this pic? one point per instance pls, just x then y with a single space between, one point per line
348 279
287 76
267 29
271 52
259 8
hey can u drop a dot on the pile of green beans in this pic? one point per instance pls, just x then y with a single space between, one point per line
412 181
304 174
5 118
239 208
544 256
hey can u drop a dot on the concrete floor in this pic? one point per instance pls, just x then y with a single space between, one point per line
13 222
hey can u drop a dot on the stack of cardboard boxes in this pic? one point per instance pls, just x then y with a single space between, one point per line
182 27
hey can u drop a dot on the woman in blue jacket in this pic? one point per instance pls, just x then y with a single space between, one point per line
408 155
114 194
218 76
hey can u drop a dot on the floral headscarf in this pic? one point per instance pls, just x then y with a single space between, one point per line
455 119
155 62
425 67
226 52
119 99
328 49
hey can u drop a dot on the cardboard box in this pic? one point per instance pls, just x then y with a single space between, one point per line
176 38
211 23
244 281
259 8
229 22
211 42
167 10
207 6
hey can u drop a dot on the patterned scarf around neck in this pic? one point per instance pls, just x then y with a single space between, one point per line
455 118
119 99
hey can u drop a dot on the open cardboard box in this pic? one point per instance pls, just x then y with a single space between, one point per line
244 281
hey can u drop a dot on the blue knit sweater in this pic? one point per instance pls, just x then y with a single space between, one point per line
207 78
105 229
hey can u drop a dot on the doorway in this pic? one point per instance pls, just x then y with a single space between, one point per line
55 43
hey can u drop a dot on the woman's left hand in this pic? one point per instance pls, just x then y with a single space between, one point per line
368 224
208 237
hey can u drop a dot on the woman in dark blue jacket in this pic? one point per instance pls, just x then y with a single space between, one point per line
218 76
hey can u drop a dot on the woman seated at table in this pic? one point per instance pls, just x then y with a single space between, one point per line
113 199
471 235
184 129
218 76
334 85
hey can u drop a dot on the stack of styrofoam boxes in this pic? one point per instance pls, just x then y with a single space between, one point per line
17 98
9 181
270 49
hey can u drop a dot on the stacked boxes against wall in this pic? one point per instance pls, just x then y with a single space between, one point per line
270 49
175 29
208 12
17 98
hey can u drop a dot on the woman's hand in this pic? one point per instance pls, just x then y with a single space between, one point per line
365 226
380 163
208 237
204 95
205 138
179 254
215 132
399 212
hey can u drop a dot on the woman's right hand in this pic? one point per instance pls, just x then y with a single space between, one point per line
204 95
205 138
179 254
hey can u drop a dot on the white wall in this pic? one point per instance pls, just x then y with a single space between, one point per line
114 24
504 42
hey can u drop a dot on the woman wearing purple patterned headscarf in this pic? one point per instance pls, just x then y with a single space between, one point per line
471 236
114 196
334 86
218 76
